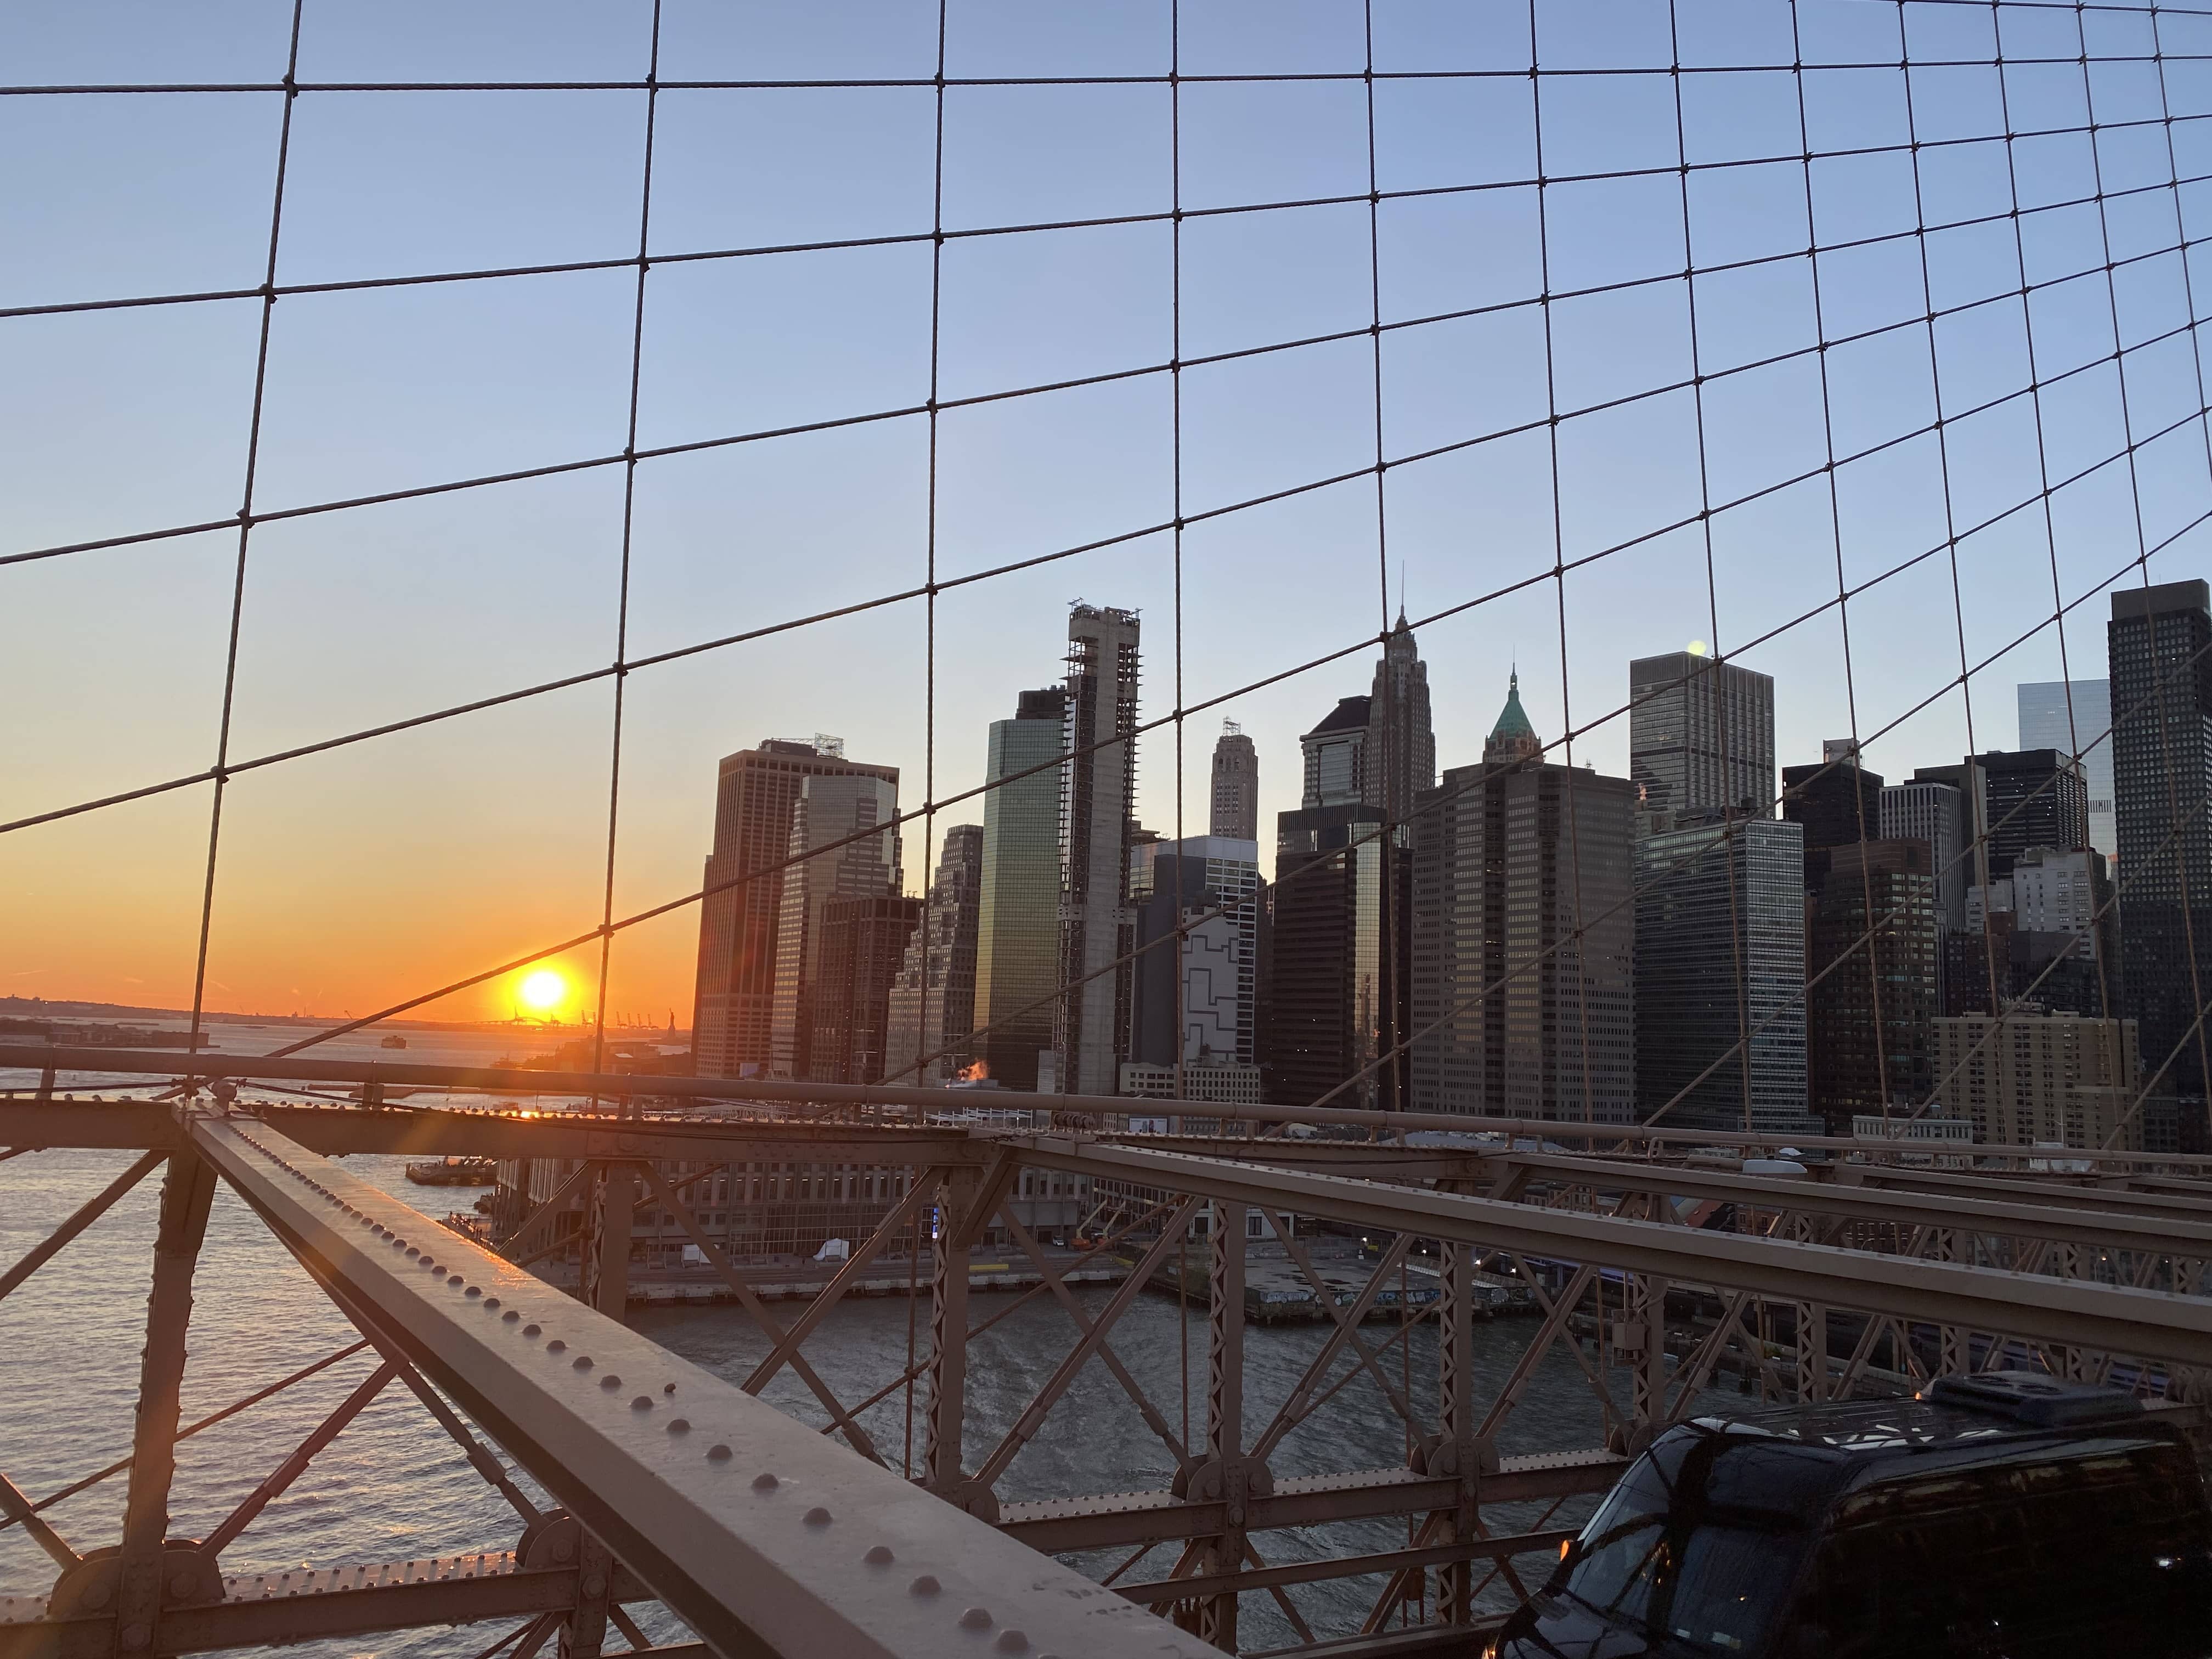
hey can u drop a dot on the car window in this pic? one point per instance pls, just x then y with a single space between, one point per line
1661 1558
2106 1545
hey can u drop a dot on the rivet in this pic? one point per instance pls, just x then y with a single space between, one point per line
532 1330
582 1362
817 1517
642 1403
679 1426
595 1585
878 1557
975 1618
556 1346
718 1453
610 1381
136 1636
508 1318
764 1481
490 1301
924 1585
1012 1641
473 1289
668 1387
456 1279
411 1251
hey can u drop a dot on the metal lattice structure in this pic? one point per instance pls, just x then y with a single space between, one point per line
1902 295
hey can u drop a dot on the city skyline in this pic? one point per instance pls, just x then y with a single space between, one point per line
674 983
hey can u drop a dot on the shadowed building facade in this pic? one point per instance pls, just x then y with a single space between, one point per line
2160 646
1700 734
1017 906
1097 795
1338 919
1524 934
1720 971
732 1001
832 857
1873 935
1235 803
863 942
933 1001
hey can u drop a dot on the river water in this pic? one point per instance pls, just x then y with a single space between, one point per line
393 1487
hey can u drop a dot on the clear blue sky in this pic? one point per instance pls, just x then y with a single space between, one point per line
359 877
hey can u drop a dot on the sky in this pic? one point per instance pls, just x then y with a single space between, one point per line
356 879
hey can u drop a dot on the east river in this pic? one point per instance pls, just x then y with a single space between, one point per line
393 1487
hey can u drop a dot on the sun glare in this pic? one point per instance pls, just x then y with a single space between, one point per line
541 989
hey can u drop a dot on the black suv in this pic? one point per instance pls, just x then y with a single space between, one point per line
2005 1516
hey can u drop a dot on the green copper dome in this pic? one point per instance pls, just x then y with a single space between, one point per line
1512 721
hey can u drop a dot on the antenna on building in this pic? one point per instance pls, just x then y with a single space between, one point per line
1231 729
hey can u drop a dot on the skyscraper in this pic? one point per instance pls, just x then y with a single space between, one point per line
1097 795
1700 734
2034 798
1872 948
1524 936
1211 884
1334 988
1400 755
2160 646
755 792
932 1007
1838 802
1923 809
863 942
1720 972
1236 786
827 864
1018 911
2058 714
1334 756
1338 972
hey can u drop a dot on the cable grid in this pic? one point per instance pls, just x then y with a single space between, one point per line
2088 122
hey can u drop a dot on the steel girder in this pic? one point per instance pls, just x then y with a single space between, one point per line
155 1063
1059 1525
430 1131
274 1609
763 1536
2108 1319
2122 1224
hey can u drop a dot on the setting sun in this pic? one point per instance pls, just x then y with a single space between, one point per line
542 988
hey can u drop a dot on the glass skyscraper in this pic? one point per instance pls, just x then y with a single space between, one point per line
1700 734
1017 911
1706 912
2047 721
2160 641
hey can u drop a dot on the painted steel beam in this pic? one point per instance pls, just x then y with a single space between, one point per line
2108 1319
306 1604
1159 1592
763 1536
1869 1201
35 1056
2022 1187
96 1125
429 1132
1064 1524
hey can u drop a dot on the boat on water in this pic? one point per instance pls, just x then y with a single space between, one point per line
395 1040
453 1172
